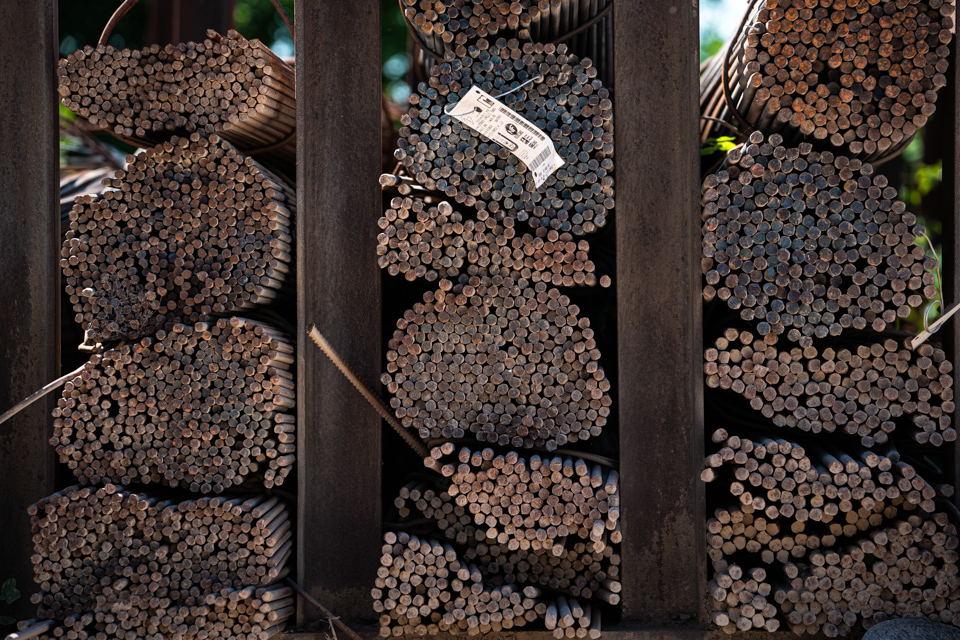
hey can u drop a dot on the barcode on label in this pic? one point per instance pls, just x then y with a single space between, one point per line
541 158
520 121
500 123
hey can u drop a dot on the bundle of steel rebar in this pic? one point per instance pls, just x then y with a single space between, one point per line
740 599
424 241
821 494
732 530
568 618
516 499
862 76
424 587
202 407
191 228
841 507
447 27
905 569
115 564
865 390
809 244
80 183
562 99
581 568
444 24
231 86
578 571
514 364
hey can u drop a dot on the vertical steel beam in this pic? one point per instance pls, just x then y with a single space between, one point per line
338 164
947 121
29 271
659 310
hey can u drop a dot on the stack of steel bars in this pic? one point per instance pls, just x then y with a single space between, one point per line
498 351
827 505
861 76
180 393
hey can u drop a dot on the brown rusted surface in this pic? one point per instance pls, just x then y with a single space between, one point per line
29 272
338 166
614 633
659 323
947 203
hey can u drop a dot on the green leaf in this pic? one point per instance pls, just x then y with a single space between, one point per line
66 113
710 44
928 176
712 145
725 143
9 590
7 620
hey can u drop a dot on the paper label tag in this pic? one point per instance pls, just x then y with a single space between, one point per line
483 113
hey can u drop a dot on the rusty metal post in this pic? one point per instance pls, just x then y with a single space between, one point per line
338 166
947 204
659 311
29 272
